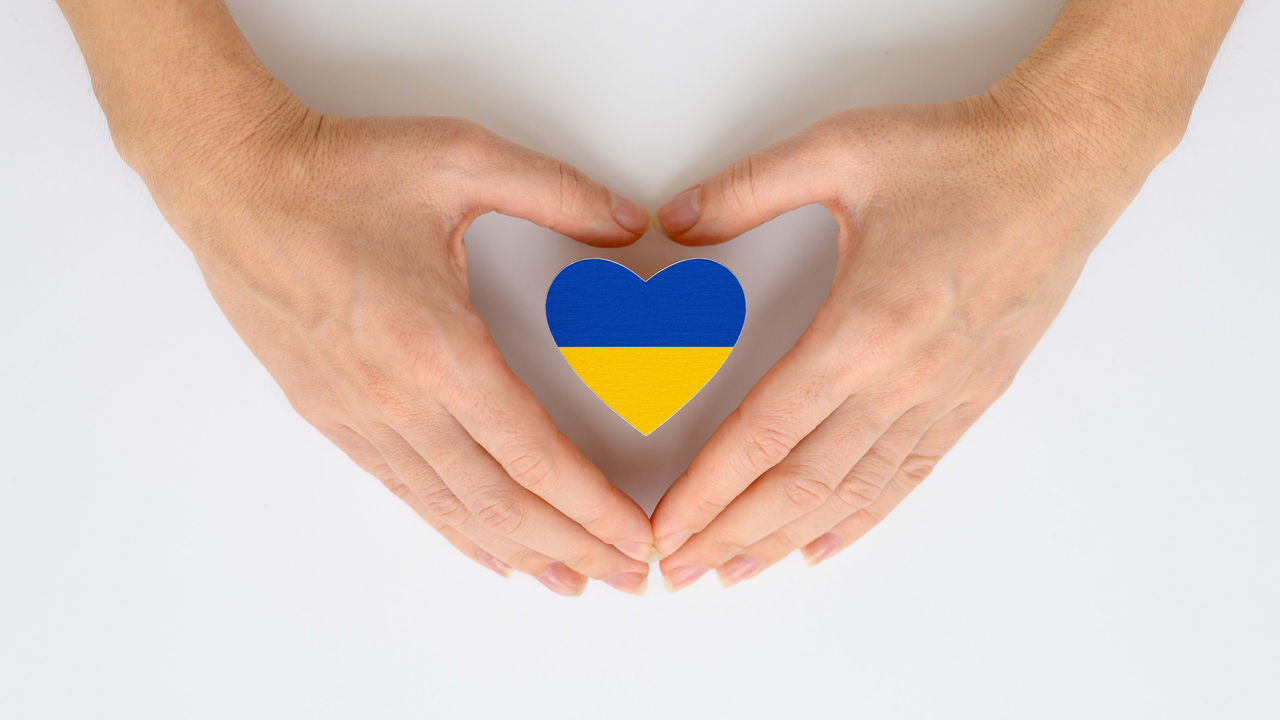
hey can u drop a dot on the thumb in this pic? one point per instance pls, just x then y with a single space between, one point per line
752 191
523 183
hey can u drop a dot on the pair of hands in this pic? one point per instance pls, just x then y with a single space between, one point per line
335 248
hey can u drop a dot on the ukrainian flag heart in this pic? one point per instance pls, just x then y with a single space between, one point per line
645 347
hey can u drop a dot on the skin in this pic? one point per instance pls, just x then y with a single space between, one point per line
962 228
335 248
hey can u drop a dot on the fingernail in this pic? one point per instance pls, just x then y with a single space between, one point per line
641 551
560 579
633 583
493 563
739 568
630 215
668 544
822 548
680 577
681 212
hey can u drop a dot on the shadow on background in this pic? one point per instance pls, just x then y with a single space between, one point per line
785 266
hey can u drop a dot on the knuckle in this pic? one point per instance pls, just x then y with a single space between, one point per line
379 468
388 398
741 192
877 466
894 326
906 317
767 444
709 502
1000 381
376 387
876 343
874 514
856 492
835 123
426 362
460 134
462 150
308 407
916 468
727 546
805 487
444 505
532 467
708 496
574 190
500 513
396 487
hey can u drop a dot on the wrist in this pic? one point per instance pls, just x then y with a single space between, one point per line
168 135
1096 109
1101 144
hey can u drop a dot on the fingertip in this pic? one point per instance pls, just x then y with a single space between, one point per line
681 213
737 569
683 221
616 237
682 577
638 551
493 563
669 529
629 215
671 542
822 548
630 583
559 579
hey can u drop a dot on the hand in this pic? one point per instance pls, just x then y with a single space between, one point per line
962 228
335 248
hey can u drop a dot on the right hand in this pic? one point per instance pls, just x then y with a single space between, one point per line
335 248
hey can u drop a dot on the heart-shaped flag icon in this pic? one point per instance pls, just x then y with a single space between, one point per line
645 347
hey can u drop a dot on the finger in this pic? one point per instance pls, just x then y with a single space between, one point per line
504 417
491 551
786 404
365 455
472 549
523 183
802 482
863 484
507 509
430 498
852 528
752 191
910 474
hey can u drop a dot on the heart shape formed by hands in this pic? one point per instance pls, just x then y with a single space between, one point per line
645 347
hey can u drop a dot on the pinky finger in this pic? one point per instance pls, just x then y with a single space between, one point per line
852 528
555 576
363 453
913 471
464 544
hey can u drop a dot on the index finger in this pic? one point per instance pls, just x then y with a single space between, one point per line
786 405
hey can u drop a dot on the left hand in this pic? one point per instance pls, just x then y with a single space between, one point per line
962 228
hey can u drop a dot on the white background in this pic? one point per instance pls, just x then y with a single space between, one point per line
174 542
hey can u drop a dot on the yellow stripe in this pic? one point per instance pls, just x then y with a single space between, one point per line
645 385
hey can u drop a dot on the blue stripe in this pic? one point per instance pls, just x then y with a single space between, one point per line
599 303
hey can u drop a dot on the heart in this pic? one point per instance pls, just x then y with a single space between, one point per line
645 347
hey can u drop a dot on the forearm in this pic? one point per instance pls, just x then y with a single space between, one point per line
1125 72
174 77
